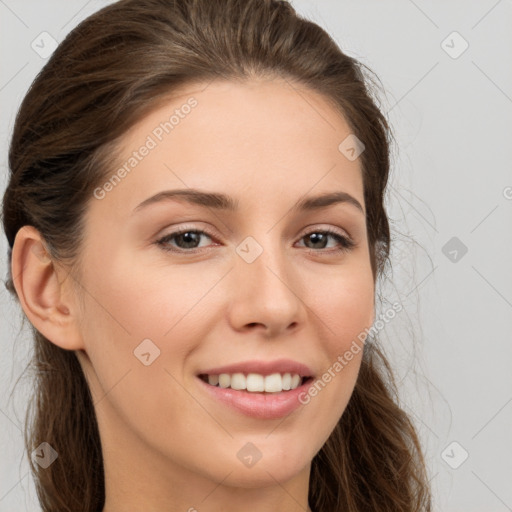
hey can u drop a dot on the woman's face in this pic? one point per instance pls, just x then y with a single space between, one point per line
254 286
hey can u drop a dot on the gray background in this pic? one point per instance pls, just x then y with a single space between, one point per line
452 177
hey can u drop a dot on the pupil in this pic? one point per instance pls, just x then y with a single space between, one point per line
316 237
186 236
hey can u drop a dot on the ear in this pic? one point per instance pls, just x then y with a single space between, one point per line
44 290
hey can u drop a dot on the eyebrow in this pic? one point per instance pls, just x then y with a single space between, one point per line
219 201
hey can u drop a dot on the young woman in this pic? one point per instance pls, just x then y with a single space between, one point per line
196 222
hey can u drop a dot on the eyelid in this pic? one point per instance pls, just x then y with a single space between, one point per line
325 227
345 241
306 230
184 228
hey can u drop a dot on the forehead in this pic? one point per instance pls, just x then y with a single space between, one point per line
253 139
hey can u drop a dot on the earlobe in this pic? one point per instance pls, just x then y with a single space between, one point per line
46 300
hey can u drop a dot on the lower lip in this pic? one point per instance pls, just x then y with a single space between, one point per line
259 405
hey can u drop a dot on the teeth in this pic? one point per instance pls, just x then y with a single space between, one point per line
273 383
224 380
295 381
287 381
256 383
238 381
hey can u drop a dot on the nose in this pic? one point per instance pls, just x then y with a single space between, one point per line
267 295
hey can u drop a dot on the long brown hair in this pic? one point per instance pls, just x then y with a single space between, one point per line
111 70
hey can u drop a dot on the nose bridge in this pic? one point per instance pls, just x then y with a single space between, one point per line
264 259
265 290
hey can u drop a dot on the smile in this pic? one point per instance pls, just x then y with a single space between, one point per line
255 382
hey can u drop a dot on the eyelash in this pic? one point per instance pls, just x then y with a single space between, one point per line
346 243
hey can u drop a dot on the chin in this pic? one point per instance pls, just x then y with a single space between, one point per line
278 463
260 476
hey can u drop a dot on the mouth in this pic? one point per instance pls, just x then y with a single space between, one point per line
262 390
256 382
259 389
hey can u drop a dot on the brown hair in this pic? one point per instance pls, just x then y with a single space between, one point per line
111 70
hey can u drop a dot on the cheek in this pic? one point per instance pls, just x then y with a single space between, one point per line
135 300
342 315
128 304
346 309
349 313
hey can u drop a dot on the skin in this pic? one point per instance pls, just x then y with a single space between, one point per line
166 444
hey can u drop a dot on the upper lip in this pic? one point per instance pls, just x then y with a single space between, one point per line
262 368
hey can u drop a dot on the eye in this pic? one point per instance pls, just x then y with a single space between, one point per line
187 240
321 237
